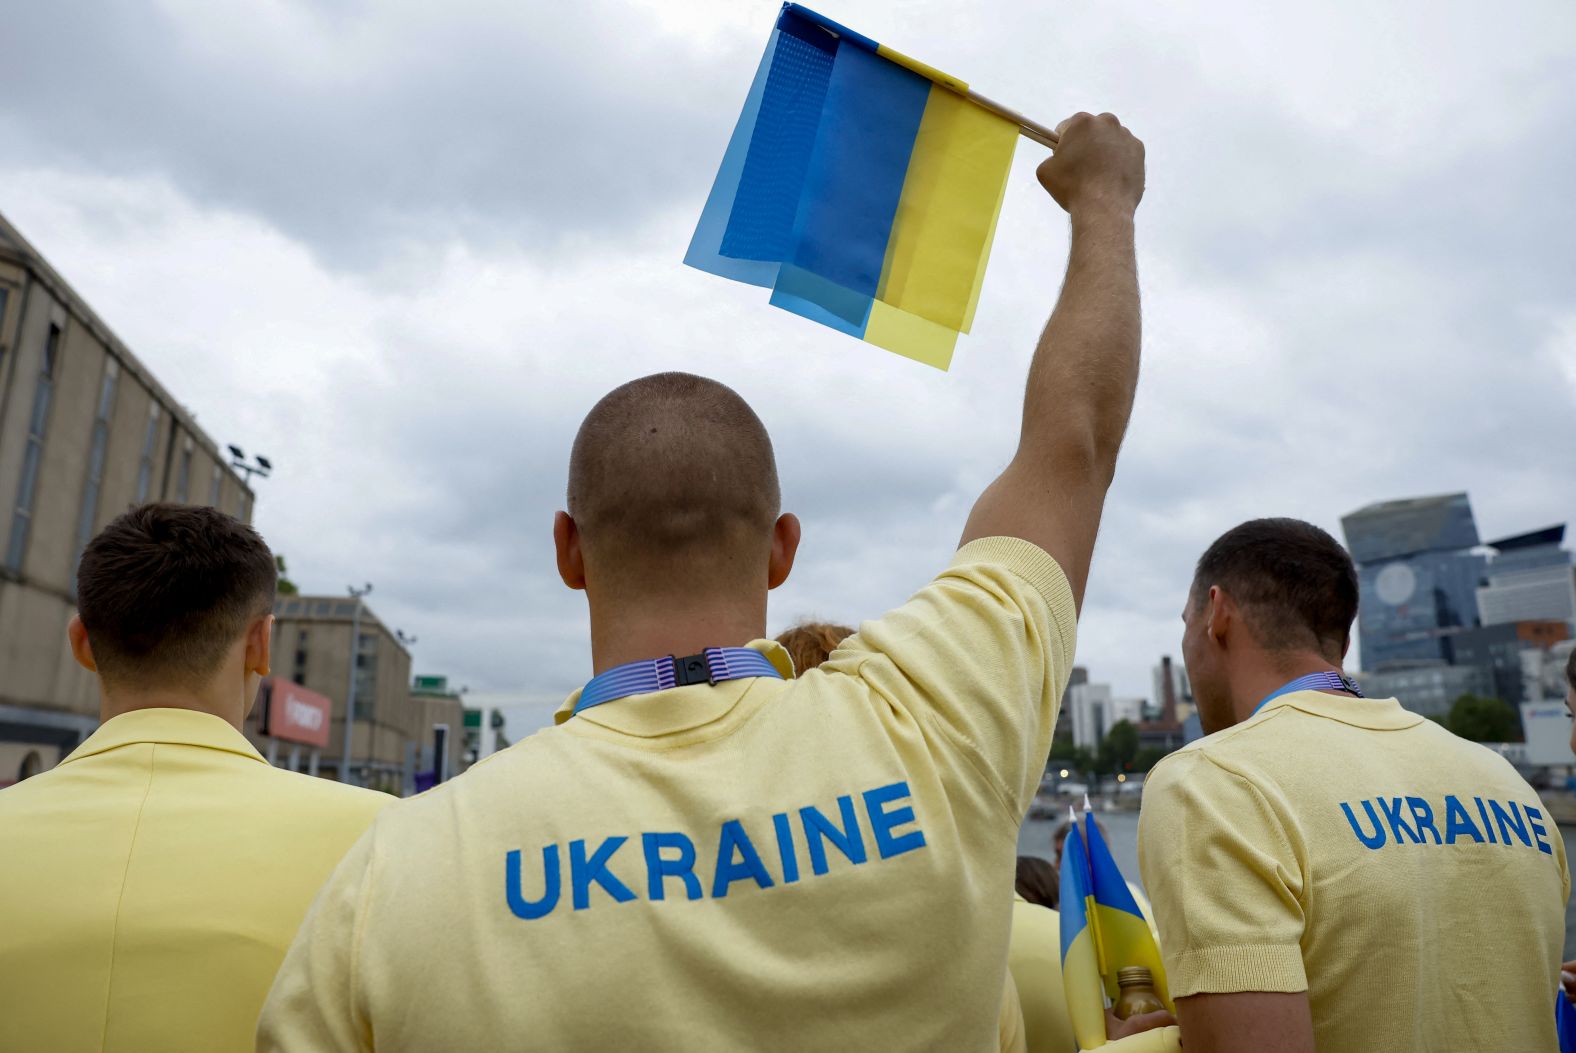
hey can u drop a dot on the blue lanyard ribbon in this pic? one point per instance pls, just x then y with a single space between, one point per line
1325 681
714 665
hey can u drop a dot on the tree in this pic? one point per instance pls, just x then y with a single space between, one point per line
1483 719
286 586
1120 746
1148 757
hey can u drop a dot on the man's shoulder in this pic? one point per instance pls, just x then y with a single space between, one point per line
313 795
515 773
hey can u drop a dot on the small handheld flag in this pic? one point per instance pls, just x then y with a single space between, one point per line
1124 935
862 187
1103 931
1081 970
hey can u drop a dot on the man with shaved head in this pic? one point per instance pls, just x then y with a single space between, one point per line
706 851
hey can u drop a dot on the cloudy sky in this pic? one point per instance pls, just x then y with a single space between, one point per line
402 247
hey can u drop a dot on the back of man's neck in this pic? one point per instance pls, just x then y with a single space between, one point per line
120 703
633 633
1269 678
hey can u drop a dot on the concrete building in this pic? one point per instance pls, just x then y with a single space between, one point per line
437 706
391 731
86 432
1088 704
1095 710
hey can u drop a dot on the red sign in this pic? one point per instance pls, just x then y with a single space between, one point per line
297 715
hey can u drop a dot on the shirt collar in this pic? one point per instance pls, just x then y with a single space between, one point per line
1377 714
682 708
178 727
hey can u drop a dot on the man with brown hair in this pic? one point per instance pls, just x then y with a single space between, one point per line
1330 871
703 853
150 883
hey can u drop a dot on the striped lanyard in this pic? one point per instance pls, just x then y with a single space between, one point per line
1325 681
714 665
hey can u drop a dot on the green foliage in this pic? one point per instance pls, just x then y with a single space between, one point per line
1147 758
1120 745
286 586
1484 719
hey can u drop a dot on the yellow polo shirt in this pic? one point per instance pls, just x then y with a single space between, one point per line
816 863
151 882
1410 881
1035 960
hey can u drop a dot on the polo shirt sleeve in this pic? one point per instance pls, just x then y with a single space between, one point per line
313 1004
1223 872
979 659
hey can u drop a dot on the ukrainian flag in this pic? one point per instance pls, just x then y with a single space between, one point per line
1124 935
861 187
1081 965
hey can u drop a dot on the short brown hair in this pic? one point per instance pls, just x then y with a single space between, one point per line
668 468
1038 881
165 590
811 643
1296 585
1570 670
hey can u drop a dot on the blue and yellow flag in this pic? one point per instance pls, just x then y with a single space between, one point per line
1123 932
861 187
1081 969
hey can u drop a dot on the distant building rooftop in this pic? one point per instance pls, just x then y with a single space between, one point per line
1391 529
1551 535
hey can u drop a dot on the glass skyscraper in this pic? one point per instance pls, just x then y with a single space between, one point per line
1418 577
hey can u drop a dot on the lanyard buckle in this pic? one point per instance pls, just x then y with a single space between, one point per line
692 669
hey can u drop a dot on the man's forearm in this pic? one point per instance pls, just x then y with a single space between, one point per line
1085 369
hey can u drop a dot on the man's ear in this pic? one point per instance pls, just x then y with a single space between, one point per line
81 649
1218 613
566 542
785 545
259 645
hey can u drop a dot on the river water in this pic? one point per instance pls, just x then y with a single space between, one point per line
1121 828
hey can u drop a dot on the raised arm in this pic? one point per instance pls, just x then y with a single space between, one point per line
1081 382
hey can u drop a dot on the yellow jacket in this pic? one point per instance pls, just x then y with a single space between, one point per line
151 883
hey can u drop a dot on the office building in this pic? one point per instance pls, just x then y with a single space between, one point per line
1417 576
1430 689
1496 650
392 733
1095 710
439 706
86 431
1530 578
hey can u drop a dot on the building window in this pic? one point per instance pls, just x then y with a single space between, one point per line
43 394
213 490
150 439
4 295
95 483
183 478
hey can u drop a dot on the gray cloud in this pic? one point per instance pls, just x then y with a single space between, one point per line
361 128
406 276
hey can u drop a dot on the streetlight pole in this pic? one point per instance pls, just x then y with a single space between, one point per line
350 691
239 463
